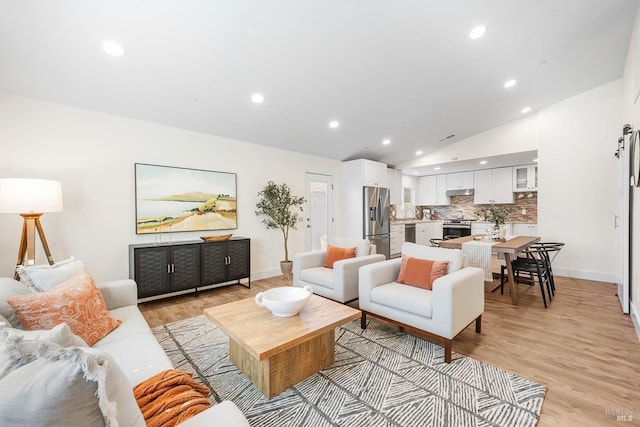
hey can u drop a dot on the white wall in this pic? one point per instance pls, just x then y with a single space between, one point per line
93 155
577 197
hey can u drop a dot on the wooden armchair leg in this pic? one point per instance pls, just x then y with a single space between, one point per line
363 320
447 351
478 324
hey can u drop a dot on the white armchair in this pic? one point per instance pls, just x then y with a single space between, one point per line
341 282
456 300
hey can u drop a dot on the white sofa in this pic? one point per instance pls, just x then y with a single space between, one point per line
132 345
339 283
456 300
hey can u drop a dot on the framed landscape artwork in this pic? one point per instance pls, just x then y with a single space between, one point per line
170 199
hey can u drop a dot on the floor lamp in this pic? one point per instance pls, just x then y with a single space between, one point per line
30 198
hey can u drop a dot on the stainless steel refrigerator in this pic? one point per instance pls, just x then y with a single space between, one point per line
376 218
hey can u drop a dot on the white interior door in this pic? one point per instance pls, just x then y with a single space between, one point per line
319 212
622 222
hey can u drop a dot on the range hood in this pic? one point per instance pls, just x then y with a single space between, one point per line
461 192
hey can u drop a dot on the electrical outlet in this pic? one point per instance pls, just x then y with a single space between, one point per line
524 211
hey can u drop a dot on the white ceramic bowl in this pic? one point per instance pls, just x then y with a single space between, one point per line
285 301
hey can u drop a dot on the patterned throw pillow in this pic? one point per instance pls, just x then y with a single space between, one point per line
76 302
335 253
421 272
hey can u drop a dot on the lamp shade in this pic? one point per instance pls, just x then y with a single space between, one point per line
22 195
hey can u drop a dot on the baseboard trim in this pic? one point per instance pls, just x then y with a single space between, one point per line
265 274
635 318
587 275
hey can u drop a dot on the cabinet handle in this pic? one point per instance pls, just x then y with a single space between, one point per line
168 269
173 268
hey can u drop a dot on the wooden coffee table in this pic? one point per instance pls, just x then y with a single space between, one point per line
276 353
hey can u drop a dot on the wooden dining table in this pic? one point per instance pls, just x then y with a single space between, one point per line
510 248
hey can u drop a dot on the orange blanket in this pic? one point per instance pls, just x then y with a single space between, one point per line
170 398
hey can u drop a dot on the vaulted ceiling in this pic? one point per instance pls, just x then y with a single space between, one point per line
405 70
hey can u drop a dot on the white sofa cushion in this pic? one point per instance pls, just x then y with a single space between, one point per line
363 246
454 256
318 276
407 298
10 288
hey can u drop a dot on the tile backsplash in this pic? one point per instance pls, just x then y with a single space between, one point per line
465 205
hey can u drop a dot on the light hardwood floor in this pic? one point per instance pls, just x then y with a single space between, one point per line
583 348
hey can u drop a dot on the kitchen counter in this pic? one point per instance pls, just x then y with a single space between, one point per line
413 221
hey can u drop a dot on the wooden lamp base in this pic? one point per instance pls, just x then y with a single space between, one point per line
27 249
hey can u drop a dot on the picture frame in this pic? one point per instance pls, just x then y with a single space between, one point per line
174 199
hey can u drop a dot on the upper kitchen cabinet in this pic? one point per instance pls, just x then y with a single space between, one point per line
493 186
394 181
525 178
460 180
432 191
374 174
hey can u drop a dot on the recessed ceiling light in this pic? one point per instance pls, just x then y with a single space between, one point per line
483 162
477 32
510 83
535 160
334 124
415 173
386 141
419 152
525 110
257 98
113 48
437 168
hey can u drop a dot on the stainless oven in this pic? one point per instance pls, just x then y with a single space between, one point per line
454 228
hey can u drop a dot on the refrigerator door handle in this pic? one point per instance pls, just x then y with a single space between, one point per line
380 219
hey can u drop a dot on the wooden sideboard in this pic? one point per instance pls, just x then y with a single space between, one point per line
168 268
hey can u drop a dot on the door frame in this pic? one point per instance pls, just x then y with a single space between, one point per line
308 178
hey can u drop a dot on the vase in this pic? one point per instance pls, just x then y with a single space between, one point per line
503 231
286 267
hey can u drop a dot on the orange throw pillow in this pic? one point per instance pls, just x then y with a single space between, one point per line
335 253
170 398
76 302
421 272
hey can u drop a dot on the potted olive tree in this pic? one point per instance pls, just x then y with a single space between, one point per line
281 210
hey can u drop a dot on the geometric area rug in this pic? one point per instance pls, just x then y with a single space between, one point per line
381 377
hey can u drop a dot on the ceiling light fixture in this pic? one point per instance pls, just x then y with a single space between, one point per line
483 162
113 48
510 83
257 98
525 110
418 153
477 32
334 124
437 168
386 141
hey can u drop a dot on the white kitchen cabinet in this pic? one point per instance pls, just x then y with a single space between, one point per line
437 230
493 186
432 191
480 227
397 239
354 175
525 229
424 233
374 174
525 178
460 180
394 181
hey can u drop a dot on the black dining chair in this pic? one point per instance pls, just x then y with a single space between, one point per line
435 242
